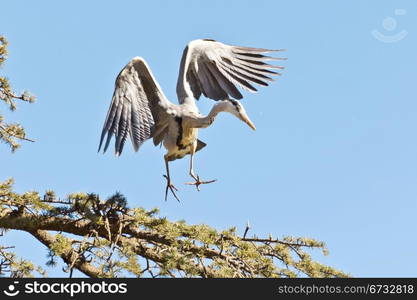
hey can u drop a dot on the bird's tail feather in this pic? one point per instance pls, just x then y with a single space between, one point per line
200 145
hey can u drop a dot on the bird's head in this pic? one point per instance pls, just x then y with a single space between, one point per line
234 107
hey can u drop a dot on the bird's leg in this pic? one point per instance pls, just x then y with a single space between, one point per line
170 186
192 167
196 177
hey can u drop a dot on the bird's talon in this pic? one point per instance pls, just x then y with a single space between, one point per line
172 188
198 182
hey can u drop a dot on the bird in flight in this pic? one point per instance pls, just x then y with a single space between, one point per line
140 110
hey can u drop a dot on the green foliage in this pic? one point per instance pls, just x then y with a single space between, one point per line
3 50
11 133
12 266
60 245
115 240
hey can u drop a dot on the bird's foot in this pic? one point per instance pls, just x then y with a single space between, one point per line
198 182
172 188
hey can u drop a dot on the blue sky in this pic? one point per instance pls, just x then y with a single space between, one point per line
334 154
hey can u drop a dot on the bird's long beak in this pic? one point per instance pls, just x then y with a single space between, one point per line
244 117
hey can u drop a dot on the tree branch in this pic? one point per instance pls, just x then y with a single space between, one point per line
173 247
70 256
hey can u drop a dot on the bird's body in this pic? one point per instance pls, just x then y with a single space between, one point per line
181 138
139 108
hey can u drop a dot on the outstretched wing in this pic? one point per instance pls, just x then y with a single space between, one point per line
216 70
138 108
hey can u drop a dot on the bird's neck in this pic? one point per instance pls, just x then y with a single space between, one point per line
218 108
215 110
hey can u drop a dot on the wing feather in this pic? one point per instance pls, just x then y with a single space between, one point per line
240 81
138 106
216 70
245 70
227 87
247 75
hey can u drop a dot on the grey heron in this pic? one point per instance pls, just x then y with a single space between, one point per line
140 110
